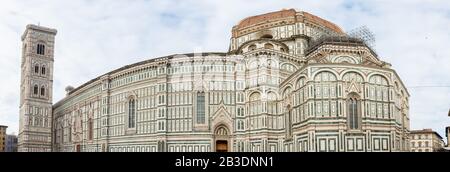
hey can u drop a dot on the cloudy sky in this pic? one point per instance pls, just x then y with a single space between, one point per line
95 37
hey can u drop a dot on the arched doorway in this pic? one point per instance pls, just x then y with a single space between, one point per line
221 136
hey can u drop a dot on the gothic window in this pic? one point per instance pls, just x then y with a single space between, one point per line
200 108
221 131
43 70
40 49
255 103
42 91
353 111
36 69
131 113
35 90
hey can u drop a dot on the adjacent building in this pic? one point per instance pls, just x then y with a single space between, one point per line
290 81
426 140
447 132
3 138
11 143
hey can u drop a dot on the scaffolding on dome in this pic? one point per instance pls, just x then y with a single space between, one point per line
363 33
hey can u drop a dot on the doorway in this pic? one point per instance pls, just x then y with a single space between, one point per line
221 146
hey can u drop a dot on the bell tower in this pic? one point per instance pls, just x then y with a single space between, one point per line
36 89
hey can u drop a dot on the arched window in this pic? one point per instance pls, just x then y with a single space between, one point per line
43 70
42 91
271 103
201 108
221 131
40 49
353 111
36 69
35 90
252 47
254 106
131 113
268 46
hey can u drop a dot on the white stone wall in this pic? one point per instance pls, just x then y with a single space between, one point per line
36 103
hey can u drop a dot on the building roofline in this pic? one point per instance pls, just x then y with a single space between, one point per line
40 28
139 64
426 131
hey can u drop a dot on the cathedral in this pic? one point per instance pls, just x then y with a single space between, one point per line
289 82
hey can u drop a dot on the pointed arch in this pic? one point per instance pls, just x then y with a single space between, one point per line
43 69
301 81
131 112
222 130
254 105
287 91
40 48
36 68
35 89
353 111
42 91
200 115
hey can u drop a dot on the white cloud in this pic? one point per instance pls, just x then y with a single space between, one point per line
98 36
